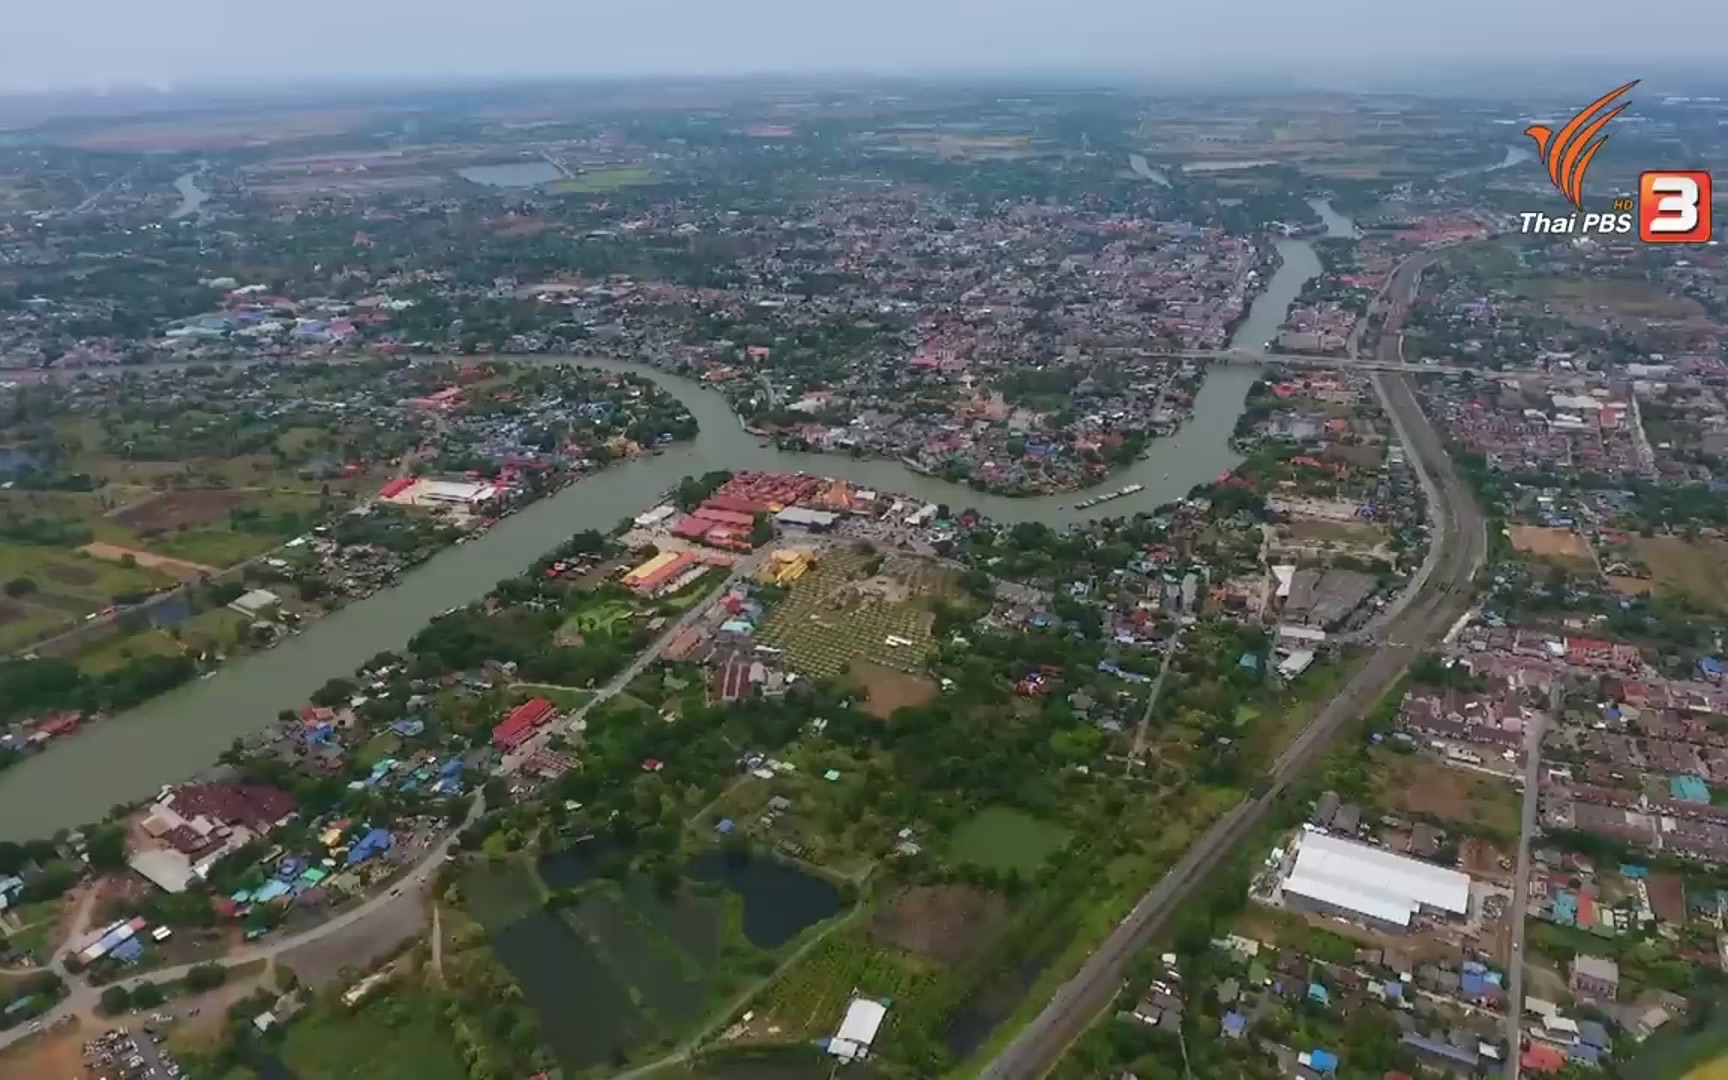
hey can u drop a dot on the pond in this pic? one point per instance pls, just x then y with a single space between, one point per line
983 1013
562 977
578 865
515 174
780 901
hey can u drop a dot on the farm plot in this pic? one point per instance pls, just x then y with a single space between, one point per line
839 613
809 998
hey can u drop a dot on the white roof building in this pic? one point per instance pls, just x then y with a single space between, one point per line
1371 881
257 603
858 1030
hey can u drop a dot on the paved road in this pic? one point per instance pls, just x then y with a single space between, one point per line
1462 543
1521 883
84 997
1152 698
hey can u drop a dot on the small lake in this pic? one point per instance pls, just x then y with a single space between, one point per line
780 901
514 174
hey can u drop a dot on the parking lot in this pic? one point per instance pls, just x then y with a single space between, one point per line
129 1055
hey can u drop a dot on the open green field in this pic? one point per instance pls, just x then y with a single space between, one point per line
396 1036
599 181
499 894
208 631
1003 838
1697 569
835 614
602 618
1701 1055
76 578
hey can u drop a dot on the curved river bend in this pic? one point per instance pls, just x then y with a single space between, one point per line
76 780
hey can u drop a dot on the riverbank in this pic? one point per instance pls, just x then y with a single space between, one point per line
182 732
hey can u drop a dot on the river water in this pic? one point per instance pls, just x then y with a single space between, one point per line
77 779
191 196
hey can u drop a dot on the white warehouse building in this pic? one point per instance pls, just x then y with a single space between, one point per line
1369 885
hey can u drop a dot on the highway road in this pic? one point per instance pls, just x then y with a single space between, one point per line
1461 544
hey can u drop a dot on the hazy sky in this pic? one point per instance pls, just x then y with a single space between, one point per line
80 43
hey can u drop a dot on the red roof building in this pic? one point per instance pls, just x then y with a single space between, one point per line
521 722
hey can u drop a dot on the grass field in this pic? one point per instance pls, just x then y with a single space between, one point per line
1701 1055
599 181
396 1036
498 895
1418 785
61 573
1698 568
207 631
1003 838
836 614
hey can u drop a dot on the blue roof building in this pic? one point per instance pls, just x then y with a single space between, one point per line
1235 1024
373 843
1317 992
1323 1061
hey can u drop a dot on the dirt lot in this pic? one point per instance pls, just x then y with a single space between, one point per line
950 923
889 689
1424 787
1668 897
1697 568
1550 543
1588 297
173 509
1480 859
181 569
53 1055
177 568
360 945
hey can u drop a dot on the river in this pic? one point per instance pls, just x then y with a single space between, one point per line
131 756
191 195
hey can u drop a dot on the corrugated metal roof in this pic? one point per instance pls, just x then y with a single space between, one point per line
1372 881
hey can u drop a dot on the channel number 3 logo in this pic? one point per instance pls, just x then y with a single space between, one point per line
1674 207
1676 203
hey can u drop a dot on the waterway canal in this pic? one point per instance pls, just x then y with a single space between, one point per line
76 780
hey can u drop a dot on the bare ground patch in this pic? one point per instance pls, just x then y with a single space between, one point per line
1427 788
1549 543
888 689
174 509
949 923
360 945
176 568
